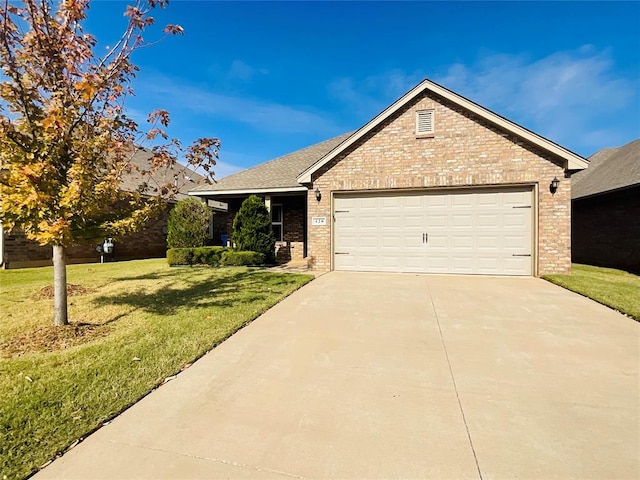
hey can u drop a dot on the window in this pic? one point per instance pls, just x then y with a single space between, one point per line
211 221
424 122
276 222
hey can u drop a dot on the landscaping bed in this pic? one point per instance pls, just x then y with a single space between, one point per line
614 288
133 325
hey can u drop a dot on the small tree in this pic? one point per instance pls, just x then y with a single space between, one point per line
65 139
252 229
188 224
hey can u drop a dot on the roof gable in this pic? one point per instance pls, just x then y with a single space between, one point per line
611 169
572 161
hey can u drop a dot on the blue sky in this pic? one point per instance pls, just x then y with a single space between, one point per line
268 78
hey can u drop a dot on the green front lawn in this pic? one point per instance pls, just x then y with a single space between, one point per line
614 288
133 325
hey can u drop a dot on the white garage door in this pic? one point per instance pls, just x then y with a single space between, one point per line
484 231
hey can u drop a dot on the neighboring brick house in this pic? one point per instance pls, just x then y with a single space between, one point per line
433 184
16 251
605 202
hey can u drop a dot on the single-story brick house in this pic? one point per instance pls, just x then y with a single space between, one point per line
605 203
17 251
434 184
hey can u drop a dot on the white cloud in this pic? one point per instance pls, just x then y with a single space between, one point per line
572 97
261 114
239 72
224 169
374 93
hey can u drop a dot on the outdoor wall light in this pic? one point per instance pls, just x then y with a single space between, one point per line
318 194
554 185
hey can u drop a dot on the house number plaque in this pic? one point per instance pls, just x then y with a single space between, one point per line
318 220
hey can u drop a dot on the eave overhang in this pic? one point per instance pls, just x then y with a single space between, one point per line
247 191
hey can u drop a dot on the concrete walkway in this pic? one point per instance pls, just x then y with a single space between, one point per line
394 376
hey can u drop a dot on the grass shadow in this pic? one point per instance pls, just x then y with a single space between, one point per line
226 289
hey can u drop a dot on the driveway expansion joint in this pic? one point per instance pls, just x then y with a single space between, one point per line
453 380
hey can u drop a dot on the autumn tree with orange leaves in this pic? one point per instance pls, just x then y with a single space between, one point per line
65 138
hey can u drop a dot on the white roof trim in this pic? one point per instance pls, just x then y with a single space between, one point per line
248 191
573 161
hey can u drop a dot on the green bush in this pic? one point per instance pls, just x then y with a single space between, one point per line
252 229
180 256
188 225
238 258
208 255
195 256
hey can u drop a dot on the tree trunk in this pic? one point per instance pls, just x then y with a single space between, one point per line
59 287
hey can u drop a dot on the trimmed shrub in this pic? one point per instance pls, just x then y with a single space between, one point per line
188 225
252 229
239 258
195 256
180 256
208 255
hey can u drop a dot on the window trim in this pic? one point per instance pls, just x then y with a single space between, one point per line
281 222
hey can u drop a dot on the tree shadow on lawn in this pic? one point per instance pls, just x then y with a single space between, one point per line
194 292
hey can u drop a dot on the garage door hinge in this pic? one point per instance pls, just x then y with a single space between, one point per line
523 206
341 253
521 255
341 211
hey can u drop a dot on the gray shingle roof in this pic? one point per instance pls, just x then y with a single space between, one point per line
280 173
131 181
609 169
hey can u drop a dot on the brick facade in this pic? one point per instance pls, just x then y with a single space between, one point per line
150 242
465 150
605 230
294 223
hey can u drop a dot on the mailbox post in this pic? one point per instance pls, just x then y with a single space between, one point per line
105 248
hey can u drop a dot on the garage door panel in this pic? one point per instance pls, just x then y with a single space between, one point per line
461 220
488 200
516 199
369 241
437 221
391 222
515 243
516 219
367 221
437 242
475 232
435 201
462 264
461 200
462 242
514 265
413 202
414 222
489 264
488 220
368 260
368 203
488 242
388 241
392 203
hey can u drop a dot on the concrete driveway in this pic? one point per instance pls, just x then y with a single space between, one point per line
394 376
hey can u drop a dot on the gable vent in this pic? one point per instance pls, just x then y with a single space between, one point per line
424 122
